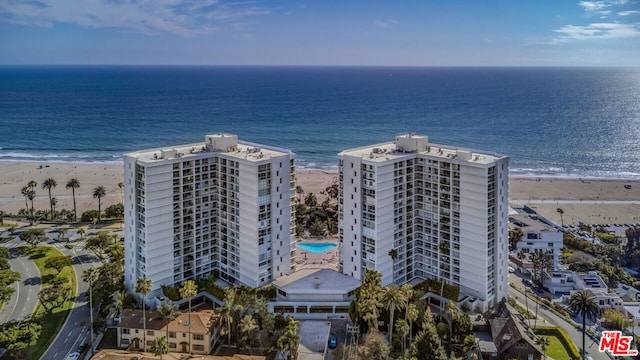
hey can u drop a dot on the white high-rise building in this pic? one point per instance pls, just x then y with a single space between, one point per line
414 210
220 205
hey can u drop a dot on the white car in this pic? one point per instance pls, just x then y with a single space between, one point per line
511 269
73 356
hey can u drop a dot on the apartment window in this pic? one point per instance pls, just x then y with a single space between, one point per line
150 332
149 342
198 347
172 335
198 337
125 331
172 345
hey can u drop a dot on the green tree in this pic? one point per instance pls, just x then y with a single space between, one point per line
114 211
16 336
227 310
289 341
90 276
98 193
403 329
33 236
392 300
99 244
411 315
143 287
74 184
31 194
541 261
310 200
7 278
49 184
374 346
188 290
81 231
515 235
160 346
427 345
169 312
247 327
583 303
543 342
57 262
365 308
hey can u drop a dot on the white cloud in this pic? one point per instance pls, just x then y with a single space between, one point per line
181 17
384 23
593 5
570 33
629 12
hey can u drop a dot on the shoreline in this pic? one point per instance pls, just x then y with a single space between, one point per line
588 199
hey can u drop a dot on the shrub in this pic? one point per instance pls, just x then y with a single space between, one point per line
89 215
114 211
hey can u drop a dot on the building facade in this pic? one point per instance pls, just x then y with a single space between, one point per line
414 210
222 205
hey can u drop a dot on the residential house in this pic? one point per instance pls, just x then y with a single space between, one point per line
201 335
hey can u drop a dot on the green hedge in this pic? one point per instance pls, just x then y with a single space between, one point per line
451 292
571 348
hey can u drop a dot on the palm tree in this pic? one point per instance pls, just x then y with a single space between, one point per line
49 184
90 276
227 309
99 193
561 212
81 231
543 342
143 286
25 193
403 329
62 233
583 303
247 326
411 315
74 184
289 340
188 290
160 347
169 312
392 299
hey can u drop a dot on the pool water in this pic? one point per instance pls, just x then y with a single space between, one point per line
316 247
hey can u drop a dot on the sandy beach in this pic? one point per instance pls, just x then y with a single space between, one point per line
587 200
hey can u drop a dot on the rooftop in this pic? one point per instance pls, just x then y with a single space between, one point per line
408 144
529 223
325 281
227 144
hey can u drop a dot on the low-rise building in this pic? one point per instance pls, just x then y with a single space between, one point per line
314 294
568 282
200 330
538 236
511 335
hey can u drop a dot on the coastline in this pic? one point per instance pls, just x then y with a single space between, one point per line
591 200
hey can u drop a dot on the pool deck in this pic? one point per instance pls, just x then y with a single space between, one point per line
323 260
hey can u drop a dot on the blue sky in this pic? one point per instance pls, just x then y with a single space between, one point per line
414 33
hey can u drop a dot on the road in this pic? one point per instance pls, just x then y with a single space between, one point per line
551 318
24 300
76 329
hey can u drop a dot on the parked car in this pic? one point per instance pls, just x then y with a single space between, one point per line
73 356
333 342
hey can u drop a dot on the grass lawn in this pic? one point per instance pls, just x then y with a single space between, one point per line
55 320
556 350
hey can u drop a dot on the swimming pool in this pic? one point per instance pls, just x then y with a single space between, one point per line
316 247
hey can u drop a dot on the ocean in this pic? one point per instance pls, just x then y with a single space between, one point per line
569 122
